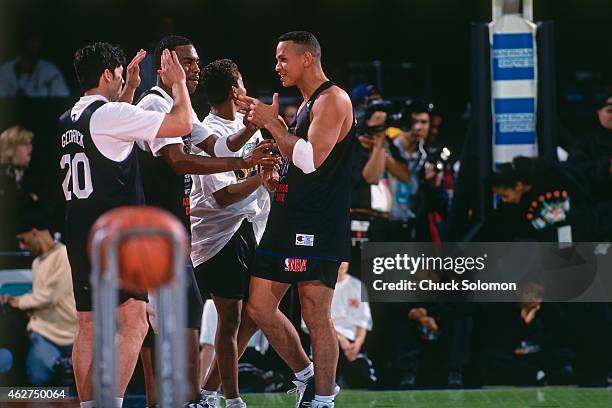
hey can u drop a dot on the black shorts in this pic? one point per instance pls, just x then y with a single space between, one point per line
81 279
195 304
227 274
292 270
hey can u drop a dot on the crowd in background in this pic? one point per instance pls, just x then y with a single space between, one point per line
405 170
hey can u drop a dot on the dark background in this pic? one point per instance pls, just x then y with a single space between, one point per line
431 37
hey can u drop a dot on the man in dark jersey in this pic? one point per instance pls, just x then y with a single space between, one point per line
100 171
307 235
166 167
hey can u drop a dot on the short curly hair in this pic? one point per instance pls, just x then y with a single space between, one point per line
217 79
91 61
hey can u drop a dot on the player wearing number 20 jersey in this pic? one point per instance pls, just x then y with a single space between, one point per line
99 169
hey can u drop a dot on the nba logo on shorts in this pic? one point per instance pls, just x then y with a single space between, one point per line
304 240
295 264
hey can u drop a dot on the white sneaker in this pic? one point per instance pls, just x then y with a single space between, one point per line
300 389
236 404
319 404
208 400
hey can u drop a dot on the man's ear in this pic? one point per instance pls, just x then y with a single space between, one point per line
308 58
107 76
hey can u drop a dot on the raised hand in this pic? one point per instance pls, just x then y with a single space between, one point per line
260 113
171 72
132 76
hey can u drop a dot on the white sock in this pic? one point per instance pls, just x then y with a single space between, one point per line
306 373
323 401
88 404
206 393
233 401
118 402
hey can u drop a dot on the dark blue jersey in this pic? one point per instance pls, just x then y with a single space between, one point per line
309 217
93 184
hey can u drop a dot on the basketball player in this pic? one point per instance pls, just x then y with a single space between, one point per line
307 235
166 165
228 216
100 171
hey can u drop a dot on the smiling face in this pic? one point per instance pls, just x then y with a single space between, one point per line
190 61
290 62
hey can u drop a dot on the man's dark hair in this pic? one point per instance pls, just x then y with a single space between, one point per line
419 106
218 77
508 174
91 61
305 40
169 42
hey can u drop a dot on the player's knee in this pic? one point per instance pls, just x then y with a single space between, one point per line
229 323
257 313
317 321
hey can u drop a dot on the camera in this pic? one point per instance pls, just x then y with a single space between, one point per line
439 157
399 115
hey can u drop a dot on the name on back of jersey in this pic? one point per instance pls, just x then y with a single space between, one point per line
72 136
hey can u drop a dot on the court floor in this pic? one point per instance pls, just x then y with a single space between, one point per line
507 397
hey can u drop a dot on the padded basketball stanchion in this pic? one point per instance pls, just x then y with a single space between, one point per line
171 312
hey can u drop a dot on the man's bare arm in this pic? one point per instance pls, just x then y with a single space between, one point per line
329 116
184 163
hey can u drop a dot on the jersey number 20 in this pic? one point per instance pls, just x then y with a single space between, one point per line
82 188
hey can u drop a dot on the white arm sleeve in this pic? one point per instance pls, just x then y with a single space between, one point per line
303 156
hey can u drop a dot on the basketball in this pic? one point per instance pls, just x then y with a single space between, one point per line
147 261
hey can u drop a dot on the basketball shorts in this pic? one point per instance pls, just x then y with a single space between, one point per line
227 274
293 270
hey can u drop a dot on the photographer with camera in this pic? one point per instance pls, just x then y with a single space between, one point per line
420 203
371 198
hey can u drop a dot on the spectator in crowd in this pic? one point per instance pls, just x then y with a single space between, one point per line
593 158
444 328
524 344
552 187
15 155
52 324
371 198
549 202
30 75
421 203
361 96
